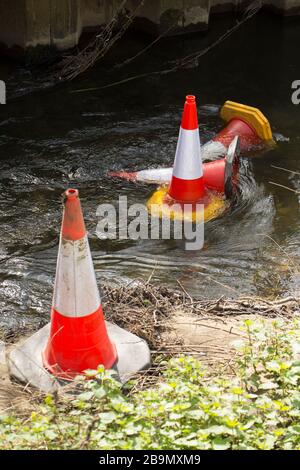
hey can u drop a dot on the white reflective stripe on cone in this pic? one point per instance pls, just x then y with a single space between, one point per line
188 164
75 292
155 175
213 150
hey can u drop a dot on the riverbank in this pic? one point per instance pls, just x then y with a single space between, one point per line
174 324
202 391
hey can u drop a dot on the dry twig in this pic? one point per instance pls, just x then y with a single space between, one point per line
75 65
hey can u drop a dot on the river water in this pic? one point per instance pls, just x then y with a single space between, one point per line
51 139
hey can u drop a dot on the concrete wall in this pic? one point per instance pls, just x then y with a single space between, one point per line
60 23
65 22
27 23
153 17
37 22
181 15
97 12
12 22
286 7
223 5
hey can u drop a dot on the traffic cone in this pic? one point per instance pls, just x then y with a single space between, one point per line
249 139
187 184
249 123
78 336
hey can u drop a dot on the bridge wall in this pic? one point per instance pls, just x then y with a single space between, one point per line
59 23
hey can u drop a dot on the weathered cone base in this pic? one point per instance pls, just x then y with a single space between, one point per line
25 360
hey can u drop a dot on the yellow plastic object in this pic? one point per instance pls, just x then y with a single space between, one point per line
253 116
214 206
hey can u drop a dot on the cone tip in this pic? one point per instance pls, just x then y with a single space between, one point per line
191 98
71 193
189 119
73 227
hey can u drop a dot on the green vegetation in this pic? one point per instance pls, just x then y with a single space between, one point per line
258 407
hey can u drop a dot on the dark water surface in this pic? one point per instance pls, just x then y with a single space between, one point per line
51 139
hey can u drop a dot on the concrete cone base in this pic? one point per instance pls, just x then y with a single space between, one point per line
25 360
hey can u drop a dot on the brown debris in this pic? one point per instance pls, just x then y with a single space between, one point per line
144 309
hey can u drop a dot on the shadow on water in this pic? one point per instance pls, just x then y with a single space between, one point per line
52 139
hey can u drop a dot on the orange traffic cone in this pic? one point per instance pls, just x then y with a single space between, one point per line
187 198
248 136
78 336
222 175
187 183
248 123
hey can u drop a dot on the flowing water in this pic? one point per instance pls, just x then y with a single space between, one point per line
51 139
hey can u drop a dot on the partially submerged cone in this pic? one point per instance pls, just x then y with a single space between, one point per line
187 191
245 122
187 183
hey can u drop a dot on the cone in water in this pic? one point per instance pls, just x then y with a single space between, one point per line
187 198
187 183
249 123
248 137
78 336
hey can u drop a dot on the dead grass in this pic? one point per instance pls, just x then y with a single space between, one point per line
145 309
173 323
